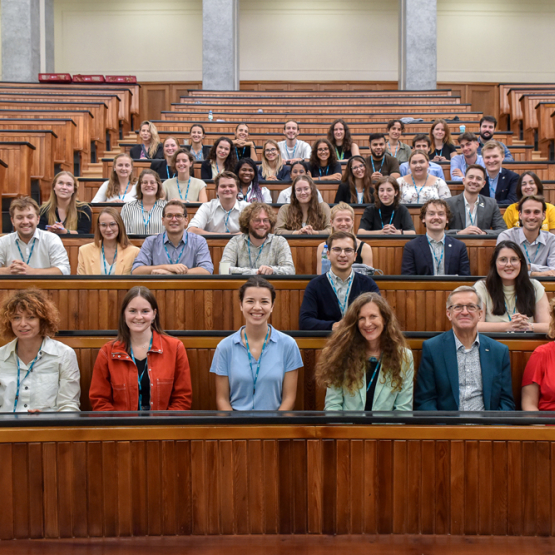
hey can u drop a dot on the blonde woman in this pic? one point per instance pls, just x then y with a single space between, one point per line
120 187
150 146
273 167
62 213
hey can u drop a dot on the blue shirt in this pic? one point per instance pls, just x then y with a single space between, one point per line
194 255
281 355
458 163
493 184
434 169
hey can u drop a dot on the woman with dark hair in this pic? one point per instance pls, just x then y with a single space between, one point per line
150 146
394 146
339 135
273 168
111 253
443 148
356 187
512 301
164 167
221 158
144 215
62 213
529 184
304 215
199 151
366 363
300 167
538 381
184 186
120 187
249 188
386 216
243 147
256 368
37 373
323 162
143 368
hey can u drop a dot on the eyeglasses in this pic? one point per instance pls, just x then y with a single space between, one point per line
259 221
177 217
358 168
339 250
323 150
270 150
111 225
458 308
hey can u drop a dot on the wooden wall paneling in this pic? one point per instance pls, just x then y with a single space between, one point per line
7 488
500 487
36 499
138 472
50 485
457 487
64 457
184 490
485 499
239 473
543 488
256 480
124 489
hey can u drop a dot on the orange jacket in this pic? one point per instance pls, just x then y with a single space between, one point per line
115 383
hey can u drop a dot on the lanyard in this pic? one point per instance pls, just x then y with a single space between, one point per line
440 152
381 165
226 219
396 149
244 149
146 222
198 157
168 172
259 252
124 192
327 170
142 373
30 254
374 374
472 221
108 272
19 382
493 185
179 188
390 219
438 262
144 151
507 310
255 375
528 255
418 191
289 155
180 252
248 196
340 156
342 305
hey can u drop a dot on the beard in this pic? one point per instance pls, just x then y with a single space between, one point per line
258 235
486 135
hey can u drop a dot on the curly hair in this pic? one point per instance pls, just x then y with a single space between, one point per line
347 140
252 211
342 363
34 302
350 179
315 217
315 161
256 190
231 160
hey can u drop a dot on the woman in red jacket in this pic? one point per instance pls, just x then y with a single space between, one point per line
143 369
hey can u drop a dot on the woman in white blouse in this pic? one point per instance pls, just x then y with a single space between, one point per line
37 373
119 188
419 186
144 215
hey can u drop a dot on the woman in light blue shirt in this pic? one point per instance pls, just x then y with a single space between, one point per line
256 367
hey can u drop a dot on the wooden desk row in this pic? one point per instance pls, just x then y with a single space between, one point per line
255 95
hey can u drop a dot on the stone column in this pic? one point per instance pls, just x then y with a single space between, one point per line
417 44
27 39
220 45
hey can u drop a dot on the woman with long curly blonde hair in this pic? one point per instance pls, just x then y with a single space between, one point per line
366 364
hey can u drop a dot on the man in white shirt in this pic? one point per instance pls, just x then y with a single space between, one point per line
221 215
31 251
292 149
469 145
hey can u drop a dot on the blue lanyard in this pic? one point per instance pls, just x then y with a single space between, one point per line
180 252
146 222
179 188
342 305
226 220
440 152
327 170
507 310
168 172
369 384
528 255
290 156
30 254
472 222
19 382
396 149
381 166
438 262
242 152
108 272
198 157
144 151
418 191
124 192
255 375
259 252
390 219
142 373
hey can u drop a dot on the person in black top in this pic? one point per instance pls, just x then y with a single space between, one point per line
387 216
199 151
62 213
150 147
163 167
443 148
222 158
339 135
323 162
356 187
243 147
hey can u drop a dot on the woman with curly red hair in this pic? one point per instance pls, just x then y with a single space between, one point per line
366 364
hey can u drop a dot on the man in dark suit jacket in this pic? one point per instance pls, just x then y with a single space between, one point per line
472 213
327 297
462 357
435 254
502 180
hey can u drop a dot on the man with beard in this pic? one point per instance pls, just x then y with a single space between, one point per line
382 164
257 250
500 182
487 129
293 149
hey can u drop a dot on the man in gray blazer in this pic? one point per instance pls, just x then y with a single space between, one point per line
471 212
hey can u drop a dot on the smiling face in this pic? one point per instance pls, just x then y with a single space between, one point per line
422 145
395 132
439 132
149 185
532 215
359 169
296 170
242 132
469 148
182 163
528 186
370 322
246 174
342 221
227 188
464 321
139 315
291 130
486 130
342 254
323 152
196 134
257 305
387 194
435 218
339 132
507 265
64 187
123 167
222 150
109 228
170 146
25 325
270 152
493 158
377 148
25 222
473 181
145 134
174 220
303 191
259 226
419 165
